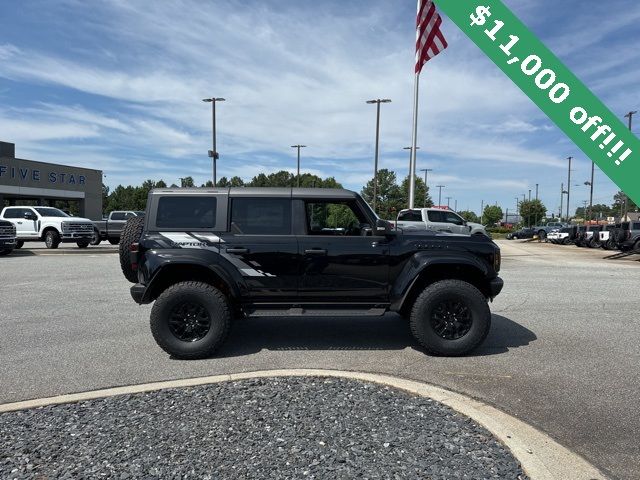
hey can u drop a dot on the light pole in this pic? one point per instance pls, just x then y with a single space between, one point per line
213 154
630 117
482 212
298 147
448 200
569 186
529 194
440 187
593 167
377 101
536 191
426 189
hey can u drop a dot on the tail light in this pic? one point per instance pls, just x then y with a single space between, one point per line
134 249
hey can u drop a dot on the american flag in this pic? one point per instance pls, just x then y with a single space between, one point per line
429 39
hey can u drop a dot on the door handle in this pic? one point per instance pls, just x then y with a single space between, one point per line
237 250
315 251
19 223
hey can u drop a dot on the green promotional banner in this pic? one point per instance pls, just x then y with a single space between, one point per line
599 133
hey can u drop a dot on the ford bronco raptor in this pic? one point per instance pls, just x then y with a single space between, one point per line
208 255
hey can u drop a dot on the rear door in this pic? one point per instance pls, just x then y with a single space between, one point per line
262 247
24 228
341 259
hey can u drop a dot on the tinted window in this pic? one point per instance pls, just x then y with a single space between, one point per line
450 217
339 218
186 212
15 212
410 216
117 216
261 216
636 226
435 216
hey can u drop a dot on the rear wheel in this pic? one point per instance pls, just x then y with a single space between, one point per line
131 233
52 239
450 317
190 320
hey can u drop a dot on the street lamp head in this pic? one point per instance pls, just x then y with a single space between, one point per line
378 100
298 146
213 99
219 99
630 114
207 99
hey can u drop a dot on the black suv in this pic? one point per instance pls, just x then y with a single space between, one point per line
206 256
629 236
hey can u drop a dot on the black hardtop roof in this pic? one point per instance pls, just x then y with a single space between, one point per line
260 192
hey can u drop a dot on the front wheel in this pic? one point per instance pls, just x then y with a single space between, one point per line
450 318
19 243
95 240
52 239
190 320
542 235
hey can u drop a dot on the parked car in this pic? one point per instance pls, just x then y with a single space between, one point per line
206 255
606 238
438 220
629 236
581 236
560 236
522 233
7 237
49 225
592 236
542 231
111 227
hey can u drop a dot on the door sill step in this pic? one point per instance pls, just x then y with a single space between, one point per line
254 311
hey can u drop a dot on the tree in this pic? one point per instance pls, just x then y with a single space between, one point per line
419 197
389 195
187 182
532 212
620 200
469 216
492 214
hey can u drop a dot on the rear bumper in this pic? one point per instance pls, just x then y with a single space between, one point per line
495 286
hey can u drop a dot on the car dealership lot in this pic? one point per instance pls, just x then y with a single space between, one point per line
562 353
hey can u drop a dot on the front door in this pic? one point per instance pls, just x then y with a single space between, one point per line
24 228
340 258
262 248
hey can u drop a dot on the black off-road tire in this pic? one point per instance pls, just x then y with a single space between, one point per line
19 243
450 290
211 299
5 251
83 244
52 239
131 233
96 238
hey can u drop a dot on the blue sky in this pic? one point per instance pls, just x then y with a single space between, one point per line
117 85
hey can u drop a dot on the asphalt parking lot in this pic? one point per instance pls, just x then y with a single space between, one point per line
562 354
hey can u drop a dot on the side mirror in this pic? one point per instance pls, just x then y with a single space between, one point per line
382 227
366 229
30 216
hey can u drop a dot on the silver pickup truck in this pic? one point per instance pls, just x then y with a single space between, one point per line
437 220
110 228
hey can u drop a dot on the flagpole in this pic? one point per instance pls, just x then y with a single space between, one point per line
414 139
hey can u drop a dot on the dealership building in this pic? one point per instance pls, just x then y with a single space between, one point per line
48 183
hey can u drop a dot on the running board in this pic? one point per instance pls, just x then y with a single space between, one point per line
349 310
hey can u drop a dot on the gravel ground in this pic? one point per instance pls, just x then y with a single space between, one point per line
263 428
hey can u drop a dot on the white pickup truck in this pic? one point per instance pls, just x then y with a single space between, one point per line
437 220
48 224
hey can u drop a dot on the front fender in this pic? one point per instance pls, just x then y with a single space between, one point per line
421 261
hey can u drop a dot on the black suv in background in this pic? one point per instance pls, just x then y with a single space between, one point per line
208 255
628 236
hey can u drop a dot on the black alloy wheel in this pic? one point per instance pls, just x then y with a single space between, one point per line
189 321
451 319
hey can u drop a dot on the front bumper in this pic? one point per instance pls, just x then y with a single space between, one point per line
495 286
138 293
74 237
8 242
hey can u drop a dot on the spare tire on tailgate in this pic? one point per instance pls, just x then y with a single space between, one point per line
131 233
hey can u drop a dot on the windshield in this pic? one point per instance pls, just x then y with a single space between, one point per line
51 212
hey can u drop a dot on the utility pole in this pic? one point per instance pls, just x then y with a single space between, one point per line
481 212
375 166
593 167
213 154
440 187
536 191
529 194
448 201
569 187
455 208
298 147
426 189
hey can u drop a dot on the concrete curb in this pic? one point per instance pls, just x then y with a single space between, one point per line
541 457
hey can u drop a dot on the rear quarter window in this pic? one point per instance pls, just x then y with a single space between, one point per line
410 216
188 212
261 216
